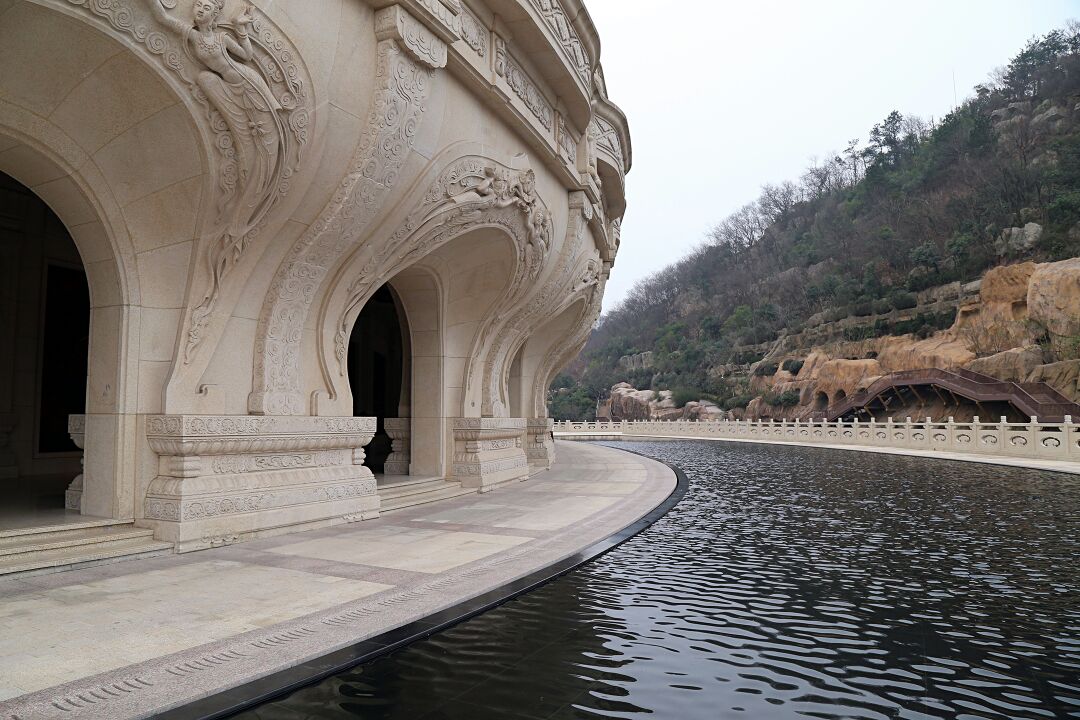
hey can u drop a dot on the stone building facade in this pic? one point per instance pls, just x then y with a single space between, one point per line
307 228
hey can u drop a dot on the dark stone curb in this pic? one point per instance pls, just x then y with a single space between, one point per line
276 685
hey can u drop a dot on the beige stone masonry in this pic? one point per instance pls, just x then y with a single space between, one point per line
489 452
223 479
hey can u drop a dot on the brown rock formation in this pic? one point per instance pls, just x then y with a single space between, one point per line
1014 365
1053 297
1062 376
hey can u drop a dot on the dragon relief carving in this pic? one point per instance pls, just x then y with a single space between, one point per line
408 54
470 193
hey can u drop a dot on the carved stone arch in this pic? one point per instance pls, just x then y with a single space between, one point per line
48 162
230 218
457 195
407 56
567 280
572 344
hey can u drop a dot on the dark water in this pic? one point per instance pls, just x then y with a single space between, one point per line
789 583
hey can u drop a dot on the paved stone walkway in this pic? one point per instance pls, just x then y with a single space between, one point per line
129 639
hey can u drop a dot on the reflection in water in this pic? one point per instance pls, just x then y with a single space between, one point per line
789 583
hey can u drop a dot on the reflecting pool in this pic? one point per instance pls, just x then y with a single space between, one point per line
789 583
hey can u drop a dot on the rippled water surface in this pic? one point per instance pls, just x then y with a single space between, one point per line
789 583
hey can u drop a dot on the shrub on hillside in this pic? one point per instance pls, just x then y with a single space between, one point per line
739 401
682 395
901 300
788 398
793 366
766 369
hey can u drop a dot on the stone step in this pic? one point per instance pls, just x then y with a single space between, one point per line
70 558
80 537
43 531
56 548
398 498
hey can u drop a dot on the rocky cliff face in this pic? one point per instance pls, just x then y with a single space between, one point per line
628 403
1023 327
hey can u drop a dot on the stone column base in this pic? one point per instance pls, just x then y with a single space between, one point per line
226 479
399 430
77 431
540 446
489 452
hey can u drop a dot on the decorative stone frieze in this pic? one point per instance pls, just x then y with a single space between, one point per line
561 26
540 445
399 430
244 476
607 142
523 85
474 33
489 452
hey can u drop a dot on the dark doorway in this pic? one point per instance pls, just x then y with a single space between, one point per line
64 346
376 369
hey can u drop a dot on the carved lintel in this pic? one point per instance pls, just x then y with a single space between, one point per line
394 23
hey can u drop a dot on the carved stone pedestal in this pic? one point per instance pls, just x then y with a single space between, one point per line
540 445
489 452
398 462
9 467
77 431
223 479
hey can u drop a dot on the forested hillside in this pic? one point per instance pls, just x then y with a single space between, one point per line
918 204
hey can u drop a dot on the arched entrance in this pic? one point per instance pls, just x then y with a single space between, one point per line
379 359
821 401
44 341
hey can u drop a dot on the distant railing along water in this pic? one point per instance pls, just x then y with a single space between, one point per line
1034 439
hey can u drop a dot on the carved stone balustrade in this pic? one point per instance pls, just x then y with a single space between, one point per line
541 445
398 462
489 451
222 479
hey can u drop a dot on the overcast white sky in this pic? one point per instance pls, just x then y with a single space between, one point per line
724 96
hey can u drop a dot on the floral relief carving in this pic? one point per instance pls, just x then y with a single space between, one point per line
523 85
402 85
474 33
568 146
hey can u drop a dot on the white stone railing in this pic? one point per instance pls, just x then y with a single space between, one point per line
1048 441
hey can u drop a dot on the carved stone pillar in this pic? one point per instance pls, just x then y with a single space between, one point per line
9 466
489 451
540 447
223 479
77 431
399 430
